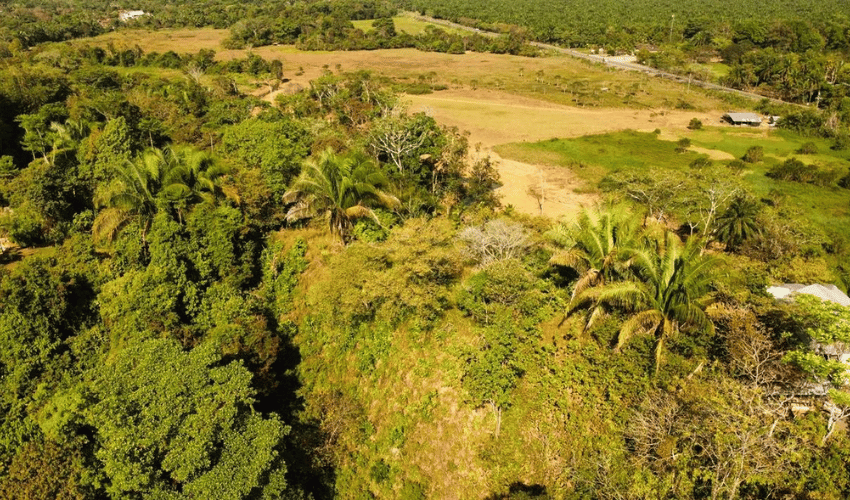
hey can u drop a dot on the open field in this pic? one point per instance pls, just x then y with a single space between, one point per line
499 99
406 23
592 157
557 78
494 118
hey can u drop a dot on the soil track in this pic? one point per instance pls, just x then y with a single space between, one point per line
494 118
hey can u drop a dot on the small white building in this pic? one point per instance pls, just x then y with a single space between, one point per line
751 119
126 15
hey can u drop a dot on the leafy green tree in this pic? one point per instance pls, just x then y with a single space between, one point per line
45 469
339 189
175 424
276 147
494 369
828 327
664 295
38 137
104 150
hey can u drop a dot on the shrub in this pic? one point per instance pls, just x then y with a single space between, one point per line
695 124
754 154
701 163
806 122
845 181
808 148
797 171
736 166
494 241
22 226
682 145
842 142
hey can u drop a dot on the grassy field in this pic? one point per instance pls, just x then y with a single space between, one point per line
555 78
593 157
407 23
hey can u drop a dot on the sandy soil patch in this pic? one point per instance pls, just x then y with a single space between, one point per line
714 154
494 118
540 189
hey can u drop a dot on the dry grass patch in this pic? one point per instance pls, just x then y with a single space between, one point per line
181 40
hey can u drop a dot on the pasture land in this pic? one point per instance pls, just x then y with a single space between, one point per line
555 78
499 99
592 157
408 23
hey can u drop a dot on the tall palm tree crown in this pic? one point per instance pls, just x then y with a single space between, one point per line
669 280
340 189
738 223
596 247
159 179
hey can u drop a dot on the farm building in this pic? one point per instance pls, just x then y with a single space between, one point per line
823 292
126 15
751 119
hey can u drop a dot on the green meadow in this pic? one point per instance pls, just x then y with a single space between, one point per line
593 157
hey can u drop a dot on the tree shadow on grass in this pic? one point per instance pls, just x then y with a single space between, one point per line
521 491
307 467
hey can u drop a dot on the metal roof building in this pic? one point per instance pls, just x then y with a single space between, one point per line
823 292
751 119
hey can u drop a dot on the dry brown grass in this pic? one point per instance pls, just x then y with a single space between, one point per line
497 98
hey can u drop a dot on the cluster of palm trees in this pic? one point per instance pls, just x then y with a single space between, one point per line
338 188
649 274
173 179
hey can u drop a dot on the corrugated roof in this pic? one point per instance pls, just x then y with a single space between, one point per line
744 117
823 292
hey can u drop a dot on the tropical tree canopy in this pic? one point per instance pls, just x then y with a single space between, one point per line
339 189
169 179
668 280
738 223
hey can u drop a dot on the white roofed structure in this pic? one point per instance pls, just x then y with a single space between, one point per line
751 119
823 292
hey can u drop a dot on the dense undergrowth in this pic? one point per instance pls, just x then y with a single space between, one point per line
211 297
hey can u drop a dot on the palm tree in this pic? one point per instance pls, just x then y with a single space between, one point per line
669 280
738 223
596 247
170 178
191 177
340 189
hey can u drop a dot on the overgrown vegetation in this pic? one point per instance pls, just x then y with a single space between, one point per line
204 295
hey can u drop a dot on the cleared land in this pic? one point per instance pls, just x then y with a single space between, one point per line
406 23
592 157
495 118
499 99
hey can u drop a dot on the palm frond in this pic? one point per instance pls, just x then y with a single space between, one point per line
641 323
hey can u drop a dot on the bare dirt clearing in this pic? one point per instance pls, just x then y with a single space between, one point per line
494 118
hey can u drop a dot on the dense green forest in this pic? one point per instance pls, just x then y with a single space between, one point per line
794 51
204 295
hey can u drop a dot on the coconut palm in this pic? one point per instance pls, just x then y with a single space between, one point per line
738 223
595 247
669 280
340 189
171 179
